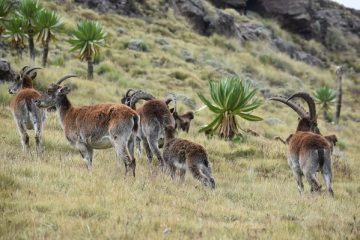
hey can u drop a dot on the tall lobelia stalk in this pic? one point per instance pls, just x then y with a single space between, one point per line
340 70
47 24
88 38
14 31
28 10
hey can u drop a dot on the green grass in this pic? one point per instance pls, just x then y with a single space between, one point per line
55 197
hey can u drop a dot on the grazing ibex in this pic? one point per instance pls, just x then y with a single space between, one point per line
154 116
98 126
308 150
182 154
26 114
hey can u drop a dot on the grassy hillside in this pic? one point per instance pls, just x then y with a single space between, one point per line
55 197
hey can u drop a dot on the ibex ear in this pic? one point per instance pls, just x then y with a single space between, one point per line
334 139
17 78
169 128
190 115
64 90
173 112
123 100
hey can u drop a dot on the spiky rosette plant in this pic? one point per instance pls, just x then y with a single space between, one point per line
325 97
88 38
230 97
5 8
14 31
48 23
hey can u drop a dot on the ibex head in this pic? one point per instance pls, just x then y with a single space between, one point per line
23 79
126 99
182 121
133 96
307 121
54 93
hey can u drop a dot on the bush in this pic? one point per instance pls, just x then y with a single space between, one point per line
335 40
179 75
137 45
230 97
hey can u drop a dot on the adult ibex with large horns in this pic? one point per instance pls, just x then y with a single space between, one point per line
26 114
154 117
309 151
98 126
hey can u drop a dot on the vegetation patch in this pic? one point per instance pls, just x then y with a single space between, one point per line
8 183
86 212
180 75
342 168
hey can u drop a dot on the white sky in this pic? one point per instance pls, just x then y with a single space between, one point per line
350 3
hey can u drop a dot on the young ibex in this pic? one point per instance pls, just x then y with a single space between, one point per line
182 154
182 121
154 116
26 114
308 150
98 126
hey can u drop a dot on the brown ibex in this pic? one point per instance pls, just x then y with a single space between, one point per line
98 126
180 154
26 114
332 139
308 150
182 121
154 116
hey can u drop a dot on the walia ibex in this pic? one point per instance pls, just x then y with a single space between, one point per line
182 121
154 116
332 139
180 154
26 114
308 150
98 126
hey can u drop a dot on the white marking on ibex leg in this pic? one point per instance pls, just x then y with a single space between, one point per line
179 165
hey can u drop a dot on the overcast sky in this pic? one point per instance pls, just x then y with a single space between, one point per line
350 3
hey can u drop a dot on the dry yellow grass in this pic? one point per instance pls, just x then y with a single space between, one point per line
55 197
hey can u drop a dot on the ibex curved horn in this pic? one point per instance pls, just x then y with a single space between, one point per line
29 70
135 97
299 110
23 69
127 94
58 82
171 97
309 100
21 72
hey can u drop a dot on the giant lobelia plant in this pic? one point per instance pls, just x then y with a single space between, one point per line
230 97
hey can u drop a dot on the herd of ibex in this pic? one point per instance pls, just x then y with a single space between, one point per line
124 126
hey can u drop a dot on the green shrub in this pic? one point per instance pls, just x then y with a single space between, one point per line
179 75
230 97
335 39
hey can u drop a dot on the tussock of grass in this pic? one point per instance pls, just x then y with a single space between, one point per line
8 183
